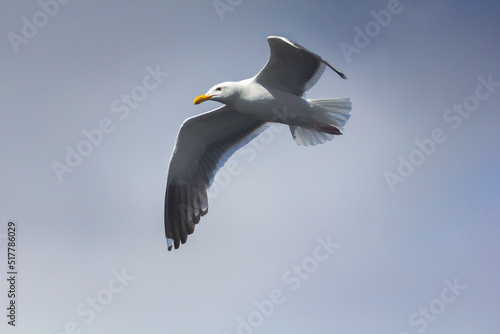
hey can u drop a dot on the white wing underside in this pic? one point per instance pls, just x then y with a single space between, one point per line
203 145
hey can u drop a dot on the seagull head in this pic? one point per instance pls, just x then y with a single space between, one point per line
223 92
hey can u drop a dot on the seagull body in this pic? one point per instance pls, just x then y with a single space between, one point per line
260 103
206 141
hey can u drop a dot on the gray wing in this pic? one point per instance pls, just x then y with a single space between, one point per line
291 67
203 145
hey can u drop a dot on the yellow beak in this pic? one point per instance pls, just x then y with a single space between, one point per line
201 98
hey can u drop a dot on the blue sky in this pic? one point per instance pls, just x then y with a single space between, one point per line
415 254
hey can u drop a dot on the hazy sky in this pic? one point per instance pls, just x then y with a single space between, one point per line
391 228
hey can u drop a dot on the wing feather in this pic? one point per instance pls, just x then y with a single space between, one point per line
203 145
291 67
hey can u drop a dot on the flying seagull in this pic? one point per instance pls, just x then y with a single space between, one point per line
206 141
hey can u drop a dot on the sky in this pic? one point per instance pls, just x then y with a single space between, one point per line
391 228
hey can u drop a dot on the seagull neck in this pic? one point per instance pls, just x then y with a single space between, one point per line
236 89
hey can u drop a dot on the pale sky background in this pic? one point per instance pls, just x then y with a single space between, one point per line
397 248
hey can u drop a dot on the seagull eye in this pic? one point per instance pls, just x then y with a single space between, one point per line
218 89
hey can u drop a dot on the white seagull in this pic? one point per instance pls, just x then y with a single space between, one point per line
206 141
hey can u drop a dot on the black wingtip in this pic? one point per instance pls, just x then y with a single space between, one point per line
342 75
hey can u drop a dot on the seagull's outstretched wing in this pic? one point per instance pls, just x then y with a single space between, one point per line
291 67
203 145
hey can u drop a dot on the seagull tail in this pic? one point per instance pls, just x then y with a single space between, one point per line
330 114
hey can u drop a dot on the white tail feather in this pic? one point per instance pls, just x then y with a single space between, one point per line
306 136
329 113
338 111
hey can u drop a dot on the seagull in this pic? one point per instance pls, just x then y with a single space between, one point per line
274 95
